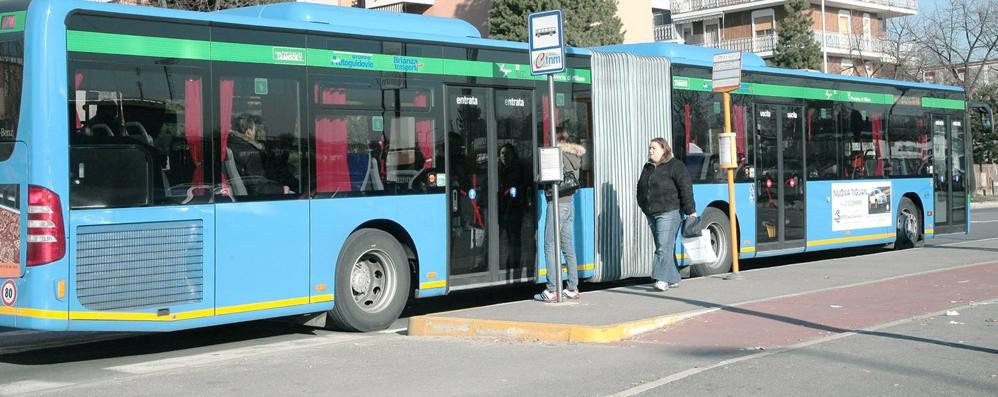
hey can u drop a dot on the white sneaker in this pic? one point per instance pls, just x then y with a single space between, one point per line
661 286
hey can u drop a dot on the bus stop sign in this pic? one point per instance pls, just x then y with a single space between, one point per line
547 42
727 73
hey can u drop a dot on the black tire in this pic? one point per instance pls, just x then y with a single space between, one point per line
716 223
372 282
908 226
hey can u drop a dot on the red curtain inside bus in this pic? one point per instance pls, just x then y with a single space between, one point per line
332 170
878 136
194 130
225 93
424 131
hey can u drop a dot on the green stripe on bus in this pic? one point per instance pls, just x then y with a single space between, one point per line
784 91
18 26
943 103
107 43
117 44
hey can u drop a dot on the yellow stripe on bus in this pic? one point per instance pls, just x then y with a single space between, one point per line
850 239
433 284
320 298
134 316
587 266
251 307
36 313
141 316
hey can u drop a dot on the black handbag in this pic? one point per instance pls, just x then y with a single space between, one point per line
569 184
691 227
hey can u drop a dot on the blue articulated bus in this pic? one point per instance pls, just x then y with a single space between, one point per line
165 169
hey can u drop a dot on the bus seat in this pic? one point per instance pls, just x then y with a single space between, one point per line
235 181
99 130
138 131
372 181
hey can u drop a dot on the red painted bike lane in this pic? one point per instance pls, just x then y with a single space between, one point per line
791 320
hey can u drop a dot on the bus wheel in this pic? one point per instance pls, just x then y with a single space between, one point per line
717 225
909 225
372 282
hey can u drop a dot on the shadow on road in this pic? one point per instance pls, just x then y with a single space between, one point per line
810 324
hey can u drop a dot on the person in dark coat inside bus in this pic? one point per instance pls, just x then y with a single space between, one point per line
261 171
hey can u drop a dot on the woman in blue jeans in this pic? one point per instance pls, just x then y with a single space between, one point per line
571 161
665 194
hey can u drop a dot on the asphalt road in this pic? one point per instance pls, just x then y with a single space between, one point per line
921 355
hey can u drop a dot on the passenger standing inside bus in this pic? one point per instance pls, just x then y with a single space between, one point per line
664 192
571 161
260 171
511 205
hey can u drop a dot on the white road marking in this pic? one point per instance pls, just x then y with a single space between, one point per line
29 386
693 371
224 355
992 221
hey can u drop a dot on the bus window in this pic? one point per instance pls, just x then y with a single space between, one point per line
910 150
698 120
375 137
865 152
11 74
135 137
260 142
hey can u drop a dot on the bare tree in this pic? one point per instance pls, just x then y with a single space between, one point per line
903 55
959 34
212 5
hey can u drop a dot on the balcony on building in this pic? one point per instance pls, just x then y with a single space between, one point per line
693 10
412 6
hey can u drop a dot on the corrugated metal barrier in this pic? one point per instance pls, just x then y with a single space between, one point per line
631 105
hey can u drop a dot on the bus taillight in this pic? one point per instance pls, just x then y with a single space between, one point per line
46 238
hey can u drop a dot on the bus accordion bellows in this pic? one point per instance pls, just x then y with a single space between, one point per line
165 169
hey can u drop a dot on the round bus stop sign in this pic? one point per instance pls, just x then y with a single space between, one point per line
8 293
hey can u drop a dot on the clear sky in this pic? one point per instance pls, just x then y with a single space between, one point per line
928 5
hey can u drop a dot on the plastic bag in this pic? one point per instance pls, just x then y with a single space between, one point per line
699 250
691 227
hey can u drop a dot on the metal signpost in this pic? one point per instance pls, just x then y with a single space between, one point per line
727 77
547 56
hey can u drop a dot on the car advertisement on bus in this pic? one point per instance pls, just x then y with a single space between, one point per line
861 205
10 231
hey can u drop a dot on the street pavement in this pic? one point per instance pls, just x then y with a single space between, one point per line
914 322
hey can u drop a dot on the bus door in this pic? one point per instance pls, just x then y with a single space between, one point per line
491 214
949 166
780 199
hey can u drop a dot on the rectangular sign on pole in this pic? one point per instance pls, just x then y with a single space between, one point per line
547 42
727 73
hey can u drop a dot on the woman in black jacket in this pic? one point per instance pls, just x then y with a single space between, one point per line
665 191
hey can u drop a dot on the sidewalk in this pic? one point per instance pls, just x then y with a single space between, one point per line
624 312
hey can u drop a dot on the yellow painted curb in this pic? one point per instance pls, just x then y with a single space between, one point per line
547 332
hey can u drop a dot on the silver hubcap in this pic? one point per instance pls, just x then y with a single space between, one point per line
372 281
717 241
911 227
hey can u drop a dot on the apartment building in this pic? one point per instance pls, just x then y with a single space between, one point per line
987 71
853 32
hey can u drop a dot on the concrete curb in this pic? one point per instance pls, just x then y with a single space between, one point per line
984 204
453 326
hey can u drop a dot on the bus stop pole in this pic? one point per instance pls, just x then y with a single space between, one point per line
554 209
733 226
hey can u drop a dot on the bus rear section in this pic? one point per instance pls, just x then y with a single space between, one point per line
31 218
